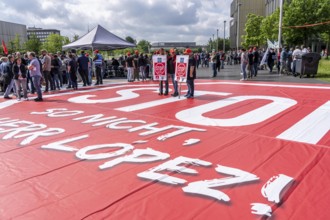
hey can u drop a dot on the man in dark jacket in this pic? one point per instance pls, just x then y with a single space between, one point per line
191 74
9 77
83 68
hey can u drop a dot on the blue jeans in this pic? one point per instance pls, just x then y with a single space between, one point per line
9 88
175 83
37 85
243 69
57 81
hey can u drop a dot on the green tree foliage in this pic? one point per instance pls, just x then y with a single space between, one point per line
130 39
143 46
301 12
54 43
33 44
75 37
15 44
269 27
253 30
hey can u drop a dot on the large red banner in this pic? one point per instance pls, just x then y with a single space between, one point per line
236 151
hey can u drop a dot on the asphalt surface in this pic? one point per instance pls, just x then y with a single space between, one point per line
232 72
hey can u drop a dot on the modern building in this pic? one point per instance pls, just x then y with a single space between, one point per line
41 34
169 45
239 11
9 31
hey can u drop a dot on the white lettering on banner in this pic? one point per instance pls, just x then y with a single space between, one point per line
124 95
156 103
58 112
204 187
310 129
261 209
274 186
98 118
115 124
173 165
82 153
14 131
138 156
60 145
195 115
31 131
34 135
154 130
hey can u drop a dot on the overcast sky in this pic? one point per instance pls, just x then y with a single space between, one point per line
152 20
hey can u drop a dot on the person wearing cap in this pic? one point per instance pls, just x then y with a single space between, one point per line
191 74
98 62
130 66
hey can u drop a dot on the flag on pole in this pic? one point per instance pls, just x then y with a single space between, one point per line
5 50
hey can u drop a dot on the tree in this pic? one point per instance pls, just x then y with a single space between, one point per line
130 39
253 30
33 44
143 46
269 27
15 44
299 13
75 37
54 43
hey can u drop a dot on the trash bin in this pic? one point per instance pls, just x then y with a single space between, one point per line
308 64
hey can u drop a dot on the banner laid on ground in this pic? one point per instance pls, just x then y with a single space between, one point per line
237 150
159 67
181 69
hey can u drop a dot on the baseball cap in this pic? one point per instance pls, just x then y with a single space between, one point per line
188 51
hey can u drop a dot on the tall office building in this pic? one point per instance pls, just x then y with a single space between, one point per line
40 33
239 11
8 32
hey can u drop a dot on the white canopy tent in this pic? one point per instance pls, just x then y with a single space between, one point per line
101 39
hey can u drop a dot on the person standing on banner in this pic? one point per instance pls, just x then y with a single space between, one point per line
98 62
171 69
136 67
19 71
130 66
191 74
35 72
162 52
9 77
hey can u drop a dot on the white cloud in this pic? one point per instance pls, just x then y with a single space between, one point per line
153 20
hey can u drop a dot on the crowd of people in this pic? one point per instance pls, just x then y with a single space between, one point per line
20 75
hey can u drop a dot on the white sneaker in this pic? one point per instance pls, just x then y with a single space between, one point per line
26 99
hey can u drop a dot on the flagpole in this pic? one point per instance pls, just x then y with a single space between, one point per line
280 25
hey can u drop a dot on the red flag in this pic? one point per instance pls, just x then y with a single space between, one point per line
5 50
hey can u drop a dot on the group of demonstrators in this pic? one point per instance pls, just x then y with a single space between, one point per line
22 75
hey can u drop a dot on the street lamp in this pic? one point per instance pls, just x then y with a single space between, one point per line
217 40
213 41
224 36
